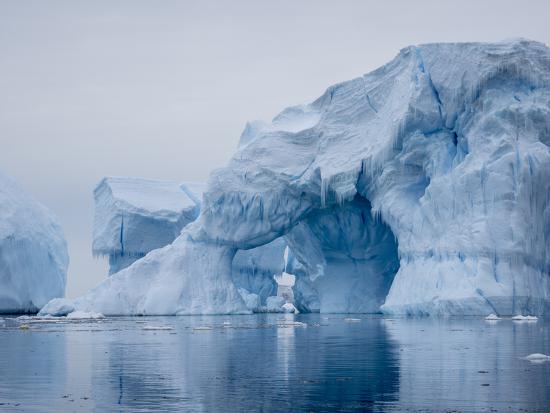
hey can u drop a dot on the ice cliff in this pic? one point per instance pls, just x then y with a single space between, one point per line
33 251
422 187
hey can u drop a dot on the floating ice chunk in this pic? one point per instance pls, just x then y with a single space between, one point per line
150 327
47 320
524 318
492 317
84 315
537 358
352 320
290 308
288 323
202 328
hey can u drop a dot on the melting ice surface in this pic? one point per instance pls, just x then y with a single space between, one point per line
270 362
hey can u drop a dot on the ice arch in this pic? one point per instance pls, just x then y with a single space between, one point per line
349 256
448 143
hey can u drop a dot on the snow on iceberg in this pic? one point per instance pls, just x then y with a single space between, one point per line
419 188
33 251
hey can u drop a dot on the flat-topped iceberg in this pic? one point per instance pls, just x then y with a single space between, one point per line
419 188
33 251
134 216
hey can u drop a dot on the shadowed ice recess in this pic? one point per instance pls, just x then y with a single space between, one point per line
419 188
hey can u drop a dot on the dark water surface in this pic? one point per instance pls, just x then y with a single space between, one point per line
253 363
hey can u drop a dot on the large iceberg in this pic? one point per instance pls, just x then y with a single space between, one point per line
422 187
33 251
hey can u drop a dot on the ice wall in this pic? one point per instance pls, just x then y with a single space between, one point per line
476 240
33 251
448 143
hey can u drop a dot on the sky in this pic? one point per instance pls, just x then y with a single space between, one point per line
163 89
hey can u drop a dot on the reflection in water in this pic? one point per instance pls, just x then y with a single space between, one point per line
471 364
28 361
252 364
255 363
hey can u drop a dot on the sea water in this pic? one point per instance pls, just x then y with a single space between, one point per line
273 362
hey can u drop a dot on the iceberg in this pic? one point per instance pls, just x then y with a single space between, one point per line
33 251
421 188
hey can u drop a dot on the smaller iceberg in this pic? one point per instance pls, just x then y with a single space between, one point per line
525 318
537 358
134 216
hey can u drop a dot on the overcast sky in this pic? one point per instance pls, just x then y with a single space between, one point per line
162 89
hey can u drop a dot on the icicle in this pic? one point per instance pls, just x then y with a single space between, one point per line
286 258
